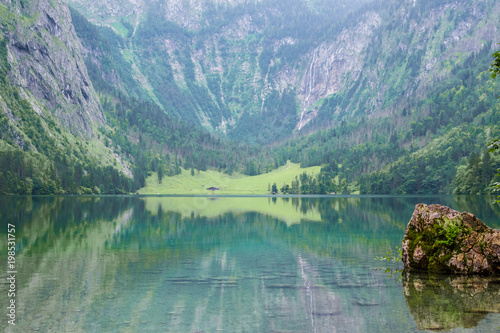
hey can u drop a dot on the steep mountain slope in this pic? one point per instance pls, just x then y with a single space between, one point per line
417 47
47 65
49 111
228 66
261 71
435 145
54 135
372 90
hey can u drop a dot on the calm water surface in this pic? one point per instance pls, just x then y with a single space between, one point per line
231 264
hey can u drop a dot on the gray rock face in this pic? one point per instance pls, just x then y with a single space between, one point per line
331 62
343 64
46 60
440 239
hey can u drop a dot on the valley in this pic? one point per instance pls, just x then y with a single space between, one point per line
379 97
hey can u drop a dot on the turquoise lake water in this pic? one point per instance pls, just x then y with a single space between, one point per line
231 264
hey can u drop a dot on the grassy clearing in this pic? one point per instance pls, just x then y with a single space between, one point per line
228 184
119 28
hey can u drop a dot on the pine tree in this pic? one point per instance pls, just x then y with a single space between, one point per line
486 173
160 174
3 184
475 177
77 178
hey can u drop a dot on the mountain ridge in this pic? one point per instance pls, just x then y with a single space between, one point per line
372 92
240 63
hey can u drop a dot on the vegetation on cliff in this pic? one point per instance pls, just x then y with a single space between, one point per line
409 108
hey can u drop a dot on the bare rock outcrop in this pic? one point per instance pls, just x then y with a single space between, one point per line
45 55
440 239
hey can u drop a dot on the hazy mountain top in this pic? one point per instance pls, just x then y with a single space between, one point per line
190 13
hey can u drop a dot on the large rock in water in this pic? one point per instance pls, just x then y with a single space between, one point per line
440 239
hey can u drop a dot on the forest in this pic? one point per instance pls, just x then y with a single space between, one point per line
441 146
434 140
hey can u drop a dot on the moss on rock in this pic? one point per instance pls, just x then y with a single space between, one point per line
440 239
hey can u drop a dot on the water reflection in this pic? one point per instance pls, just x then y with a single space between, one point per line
206 264
444 302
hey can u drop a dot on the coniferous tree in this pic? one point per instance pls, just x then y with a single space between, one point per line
3 184
78 175
160 174
486 173
474 180
495 69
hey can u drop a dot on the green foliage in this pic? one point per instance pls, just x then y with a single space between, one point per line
36 156
161 132
155 25
495 145
420 148
478 176
265 60
325 182
170 70
31 173
391 256
106 46
450 230
128 26
495 66
278 119
229 184
160 174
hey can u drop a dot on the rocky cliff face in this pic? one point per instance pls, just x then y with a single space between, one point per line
45 57
235 61
240 55
187 13
335 65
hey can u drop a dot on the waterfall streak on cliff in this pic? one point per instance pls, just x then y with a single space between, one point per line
311 83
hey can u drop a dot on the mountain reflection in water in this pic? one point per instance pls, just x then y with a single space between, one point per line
258 264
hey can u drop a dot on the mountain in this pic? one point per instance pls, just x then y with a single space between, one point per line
228 66
58 135
234 66
387 96
46 64
49 110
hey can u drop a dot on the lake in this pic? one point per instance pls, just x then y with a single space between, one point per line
231 264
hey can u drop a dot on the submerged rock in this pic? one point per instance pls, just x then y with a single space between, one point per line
444 302
440 239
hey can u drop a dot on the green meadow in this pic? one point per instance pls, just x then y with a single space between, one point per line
236 184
